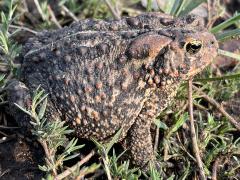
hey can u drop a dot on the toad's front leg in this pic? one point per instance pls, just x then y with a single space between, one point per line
139 138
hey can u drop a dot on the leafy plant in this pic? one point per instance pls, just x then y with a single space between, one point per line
122 170
8 48
51 134
103 150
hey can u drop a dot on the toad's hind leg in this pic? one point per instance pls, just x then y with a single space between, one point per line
18 93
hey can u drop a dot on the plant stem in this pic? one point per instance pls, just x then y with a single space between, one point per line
48 155
193 133
214 169
105 162
72 15
73 168
113 11
235 123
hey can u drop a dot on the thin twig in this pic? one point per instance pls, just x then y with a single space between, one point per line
7 127
25 5
212 13
184 107
84 172
23 28
4 134
5 121
214 169
117 5
132 11
97 174
107 170
159 4
113 11
73 168
235 123
48 155
40 10
193 133
202 108
64 8
8 138
156 140
4 172
209 10
165 150
5 67
53 17
10 76
3 103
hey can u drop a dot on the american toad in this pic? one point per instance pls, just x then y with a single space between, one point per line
102 76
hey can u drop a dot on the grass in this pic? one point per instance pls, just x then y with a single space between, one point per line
216 137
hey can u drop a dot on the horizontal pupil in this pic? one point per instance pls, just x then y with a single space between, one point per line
193 48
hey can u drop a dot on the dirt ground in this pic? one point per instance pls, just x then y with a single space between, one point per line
20 159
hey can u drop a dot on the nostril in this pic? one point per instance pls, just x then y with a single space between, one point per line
212 42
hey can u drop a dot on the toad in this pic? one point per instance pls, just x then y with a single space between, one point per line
105 75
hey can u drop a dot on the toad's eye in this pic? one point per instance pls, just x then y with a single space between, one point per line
193 46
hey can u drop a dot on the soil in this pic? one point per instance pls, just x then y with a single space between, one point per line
19 160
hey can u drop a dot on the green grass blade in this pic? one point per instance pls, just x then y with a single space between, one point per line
42 109
4 42
181 120
175 6
160 124
187 6
233 76
41 98
70 157
226 23
113 140
229 54
172 6
227 35
23 109
186 172
2 76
